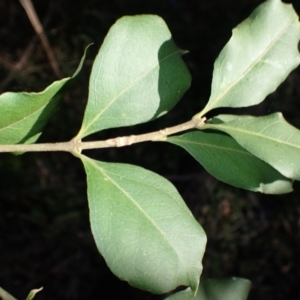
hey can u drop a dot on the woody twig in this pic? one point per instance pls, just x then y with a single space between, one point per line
33 17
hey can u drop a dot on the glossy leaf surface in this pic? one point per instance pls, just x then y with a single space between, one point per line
226 160
270 138
224 289
24 115
143 228
262 51
138 75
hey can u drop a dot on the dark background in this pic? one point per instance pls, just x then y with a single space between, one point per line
45 238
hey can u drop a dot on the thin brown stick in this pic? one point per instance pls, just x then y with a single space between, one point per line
24 58
19 65
33 17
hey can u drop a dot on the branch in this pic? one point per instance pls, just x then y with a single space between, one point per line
34 19
18 66
76 146
24 58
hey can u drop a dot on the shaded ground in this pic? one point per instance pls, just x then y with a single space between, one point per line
45 238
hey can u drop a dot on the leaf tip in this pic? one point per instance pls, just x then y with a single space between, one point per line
183 52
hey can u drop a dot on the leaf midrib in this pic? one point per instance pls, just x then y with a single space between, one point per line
257 134
144 74
213 146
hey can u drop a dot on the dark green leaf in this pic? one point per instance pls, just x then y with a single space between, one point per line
225 159
270 138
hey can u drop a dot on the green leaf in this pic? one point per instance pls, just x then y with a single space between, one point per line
33 293
217 289
261 53
143 228
224 289
138 75
24 115
270 138
226 160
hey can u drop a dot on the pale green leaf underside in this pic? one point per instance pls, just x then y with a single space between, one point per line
224 289
24 115
143 228
270 138
262 51
217 289
138 75
226 160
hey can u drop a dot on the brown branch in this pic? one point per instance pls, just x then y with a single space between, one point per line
20 64
33 17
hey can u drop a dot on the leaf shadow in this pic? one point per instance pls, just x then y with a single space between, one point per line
174 77
47 112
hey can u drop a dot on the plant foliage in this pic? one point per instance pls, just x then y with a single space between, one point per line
137 72
141 225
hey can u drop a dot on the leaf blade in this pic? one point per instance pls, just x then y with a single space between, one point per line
131 207
217 289
226 160
32 293
137 76
262 51
270 138
224 289
24 115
